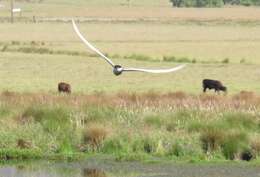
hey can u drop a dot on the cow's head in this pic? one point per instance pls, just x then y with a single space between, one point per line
223 88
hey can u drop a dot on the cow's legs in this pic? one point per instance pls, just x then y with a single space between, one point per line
204 89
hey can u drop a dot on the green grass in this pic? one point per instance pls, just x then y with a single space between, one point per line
46 53
59 126
15 154
233 143
41 73
153 41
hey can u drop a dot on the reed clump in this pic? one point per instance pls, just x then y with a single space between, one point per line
212 138
94 135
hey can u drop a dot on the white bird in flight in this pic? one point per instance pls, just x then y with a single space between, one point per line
117 69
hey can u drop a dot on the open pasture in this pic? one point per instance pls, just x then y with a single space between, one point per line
37 73
35 57
120 9
155 40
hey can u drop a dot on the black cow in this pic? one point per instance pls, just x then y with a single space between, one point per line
213 84
64 87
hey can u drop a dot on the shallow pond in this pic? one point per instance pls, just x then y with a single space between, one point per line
108 168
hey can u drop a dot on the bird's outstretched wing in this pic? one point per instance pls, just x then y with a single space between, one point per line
113 65
90 45
155 70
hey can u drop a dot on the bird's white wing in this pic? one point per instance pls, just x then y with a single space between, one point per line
90 45
155 70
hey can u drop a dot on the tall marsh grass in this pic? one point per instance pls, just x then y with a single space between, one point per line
131 126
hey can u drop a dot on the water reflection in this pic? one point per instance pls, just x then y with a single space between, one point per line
109 168
90 172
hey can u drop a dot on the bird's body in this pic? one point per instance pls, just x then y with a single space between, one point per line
117 70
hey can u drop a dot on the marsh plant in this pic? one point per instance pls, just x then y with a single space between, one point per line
93 136
175 126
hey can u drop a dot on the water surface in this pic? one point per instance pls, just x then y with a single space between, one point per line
108 168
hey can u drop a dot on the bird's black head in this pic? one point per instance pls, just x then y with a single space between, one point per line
117 70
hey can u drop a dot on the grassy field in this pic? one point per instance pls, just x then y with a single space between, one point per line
135 115
202 42
41 73
35 57
146 9
173 126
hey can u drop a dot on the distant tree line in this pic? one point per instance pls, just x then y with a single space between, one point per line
30 1
213 3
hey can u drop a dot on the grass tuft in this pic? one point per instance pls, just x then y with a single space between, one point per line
233 144
94 135
239 120
22 144
225 61
211 138
21 154
154 120
245 96
4 48
255 145
139 57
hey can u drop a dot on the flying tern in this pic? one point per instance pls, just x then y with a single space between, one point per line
118 69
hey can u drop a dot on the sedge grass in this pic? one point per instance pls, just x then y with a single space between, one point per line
151 125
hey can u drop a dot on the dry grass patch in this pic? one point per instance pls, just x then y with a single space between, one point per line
176 95
245 96
211 138
171 100
7 93
255 144
94 135
23 144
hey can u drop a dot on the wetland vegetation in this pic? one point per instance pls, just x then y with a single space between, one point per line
174 126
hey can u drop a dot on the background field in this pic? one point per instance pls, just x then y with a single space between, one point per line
216 43
161 9
35 73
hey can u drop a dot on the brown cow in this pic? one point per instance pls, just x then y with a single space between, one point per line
64 87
